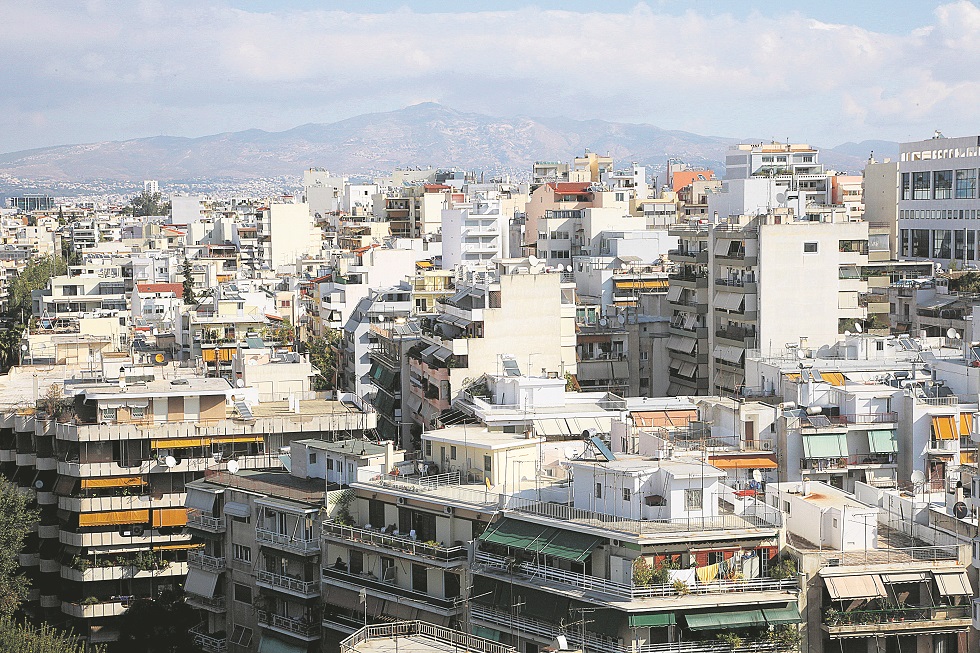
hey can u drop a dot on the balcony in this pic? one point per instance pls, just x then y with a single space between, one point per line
388 590
433 636
111 608
215 604
372 538
208 641
688 256
738 285
897 621
205 522
206 562
532 571
859 461
303 628
285 542
306 589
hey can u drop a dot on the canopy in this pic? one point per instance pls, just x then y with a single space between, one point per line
867 586
118 481
571 545
236 509
201 498
518 534
824 445
179 443
200 582
674 293
966 423
725 620
665 418
728 353
169 517
681 343
743 462
729 301
907 577
788 614
655 620
114 518
834 378
882 441
953 583
944 427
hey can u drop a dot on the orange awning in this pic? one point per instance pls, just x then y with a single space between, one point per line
833 378
944 427
118 481
180 443
663 418
966 423
743 462
114 518
186 546
170 517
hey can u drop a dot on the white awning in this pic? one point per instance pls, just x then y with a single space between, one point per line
866 586
236 509
729 301
681 343
201 499
953 583
687 369
722 247
674 293
200 582
728 353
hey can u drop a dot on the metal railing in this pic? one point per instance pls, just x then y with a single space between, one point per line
395 542
287 541
442 637
820 464
207 641
887 556
304 627
630 591
877 617
296 585
205 522
213 603
420 483
205 561
567 513
864 418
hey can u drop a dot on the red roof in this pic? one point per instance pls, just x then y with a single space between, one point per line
175 288
432 188
570 188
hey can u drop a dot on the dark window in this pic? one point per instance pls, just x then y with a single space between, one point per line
356 562
420 578
243 593
920 186
942 184
376 513
451 583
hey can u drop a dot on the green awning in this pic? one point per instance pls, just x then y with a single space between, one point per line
655 620
788 614
270 644
519 534
883 441
722 620
571 545
825 445
487 633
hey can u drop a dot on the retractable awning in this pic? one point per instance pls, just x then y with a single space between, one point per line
743 462
824 445
953 583
169 517
236 509
202 498
518 534
180 443
114 518
725 620
200 582
865 586
944 427
907 577
788 614
883 441
571 545
966 423
834 378
681 343
674 293
729 301
729 354
654 620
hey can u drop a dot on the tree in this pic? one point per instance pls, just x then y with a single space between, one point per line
26 638
189 297
147 204
35 276
16 521
324 357
159 625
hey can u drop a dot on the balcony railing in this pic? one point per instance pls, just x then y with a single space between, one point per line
629 591
904 555
820 464
204 521
304 627
895 615
443 638
864 418
287 542
394 542
205 561
214 604
207 641
294 585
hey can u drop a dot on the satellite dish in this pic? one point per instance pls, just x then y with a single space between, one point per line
846 332
159 358
917 477
603 321
170 462
858 327
570 453
233 466
533 260
800 354
621 318
951 333
757 475
240 383
39 484
960 511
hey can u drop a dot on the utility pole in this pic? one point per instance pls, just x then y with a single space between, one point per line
582 621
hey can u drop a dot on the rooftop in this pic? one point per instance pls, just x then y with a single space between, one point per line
348 447
271 483
480 437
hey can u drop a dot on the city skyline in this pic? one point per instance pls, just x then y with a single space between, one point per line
742 70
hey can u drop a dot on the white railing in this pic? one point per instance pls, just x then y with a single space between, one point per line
302 627
287 541
602 585
290 584
205 561
888 556
207 641
420 483
205 521
396 542
443 638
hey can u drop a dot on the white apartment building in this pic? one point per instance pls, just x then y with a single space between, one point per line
285 232
473 233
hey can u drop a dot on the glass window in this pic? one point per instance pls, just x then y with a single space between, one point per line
920 243
971 245
598 490
959 242
243 593
692 499
810 248
241 553
941 243
627 494
966 184
906 186
920 185
487 464
942 184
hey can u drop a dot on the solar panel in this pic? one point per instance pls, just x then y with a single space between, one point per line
819 421
510 367
244 410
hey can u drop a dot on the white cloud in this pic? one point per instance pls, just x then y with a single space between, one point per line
122 70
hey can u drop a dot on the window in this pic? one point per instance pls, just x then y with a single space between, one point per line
942 184
452 453
627 494
312 458
109 414
355 560
420 578
598 490
692 499
786 507
487 464
137 412
966 184
242 636
241 553
920 185
329 464
428 448
243 593
810 248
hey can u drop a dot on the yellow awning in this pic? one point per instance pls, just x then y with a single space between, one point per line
236 438
170 517
113 518
833 378
794 377
966 423
208 355
944 427
423 264
186 546
225 354
743 462
180 443
968 457
118 481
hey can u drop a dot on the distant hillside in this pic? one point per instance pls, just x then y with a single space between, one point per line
421 135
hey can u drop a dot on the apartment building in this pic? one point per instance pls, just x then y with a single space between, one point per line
284 233
474 233
731 293
389 373
157 305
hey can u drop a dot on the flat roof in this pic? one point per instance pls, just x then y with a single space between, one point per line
352 447
268 483
183 386
306 407
478 436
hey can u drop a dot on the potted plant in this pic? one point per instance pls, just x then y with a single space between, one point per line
681 588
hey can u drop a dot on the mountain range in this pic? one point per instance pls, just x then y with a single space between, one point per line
422 135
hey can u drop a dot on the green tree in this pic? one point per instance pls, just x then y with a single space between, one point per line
159 625
16 520
969 282
33 277
324 357
189 297
146 204
26 638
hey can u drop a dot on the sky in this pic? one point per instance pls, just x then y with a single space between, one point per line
820 72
